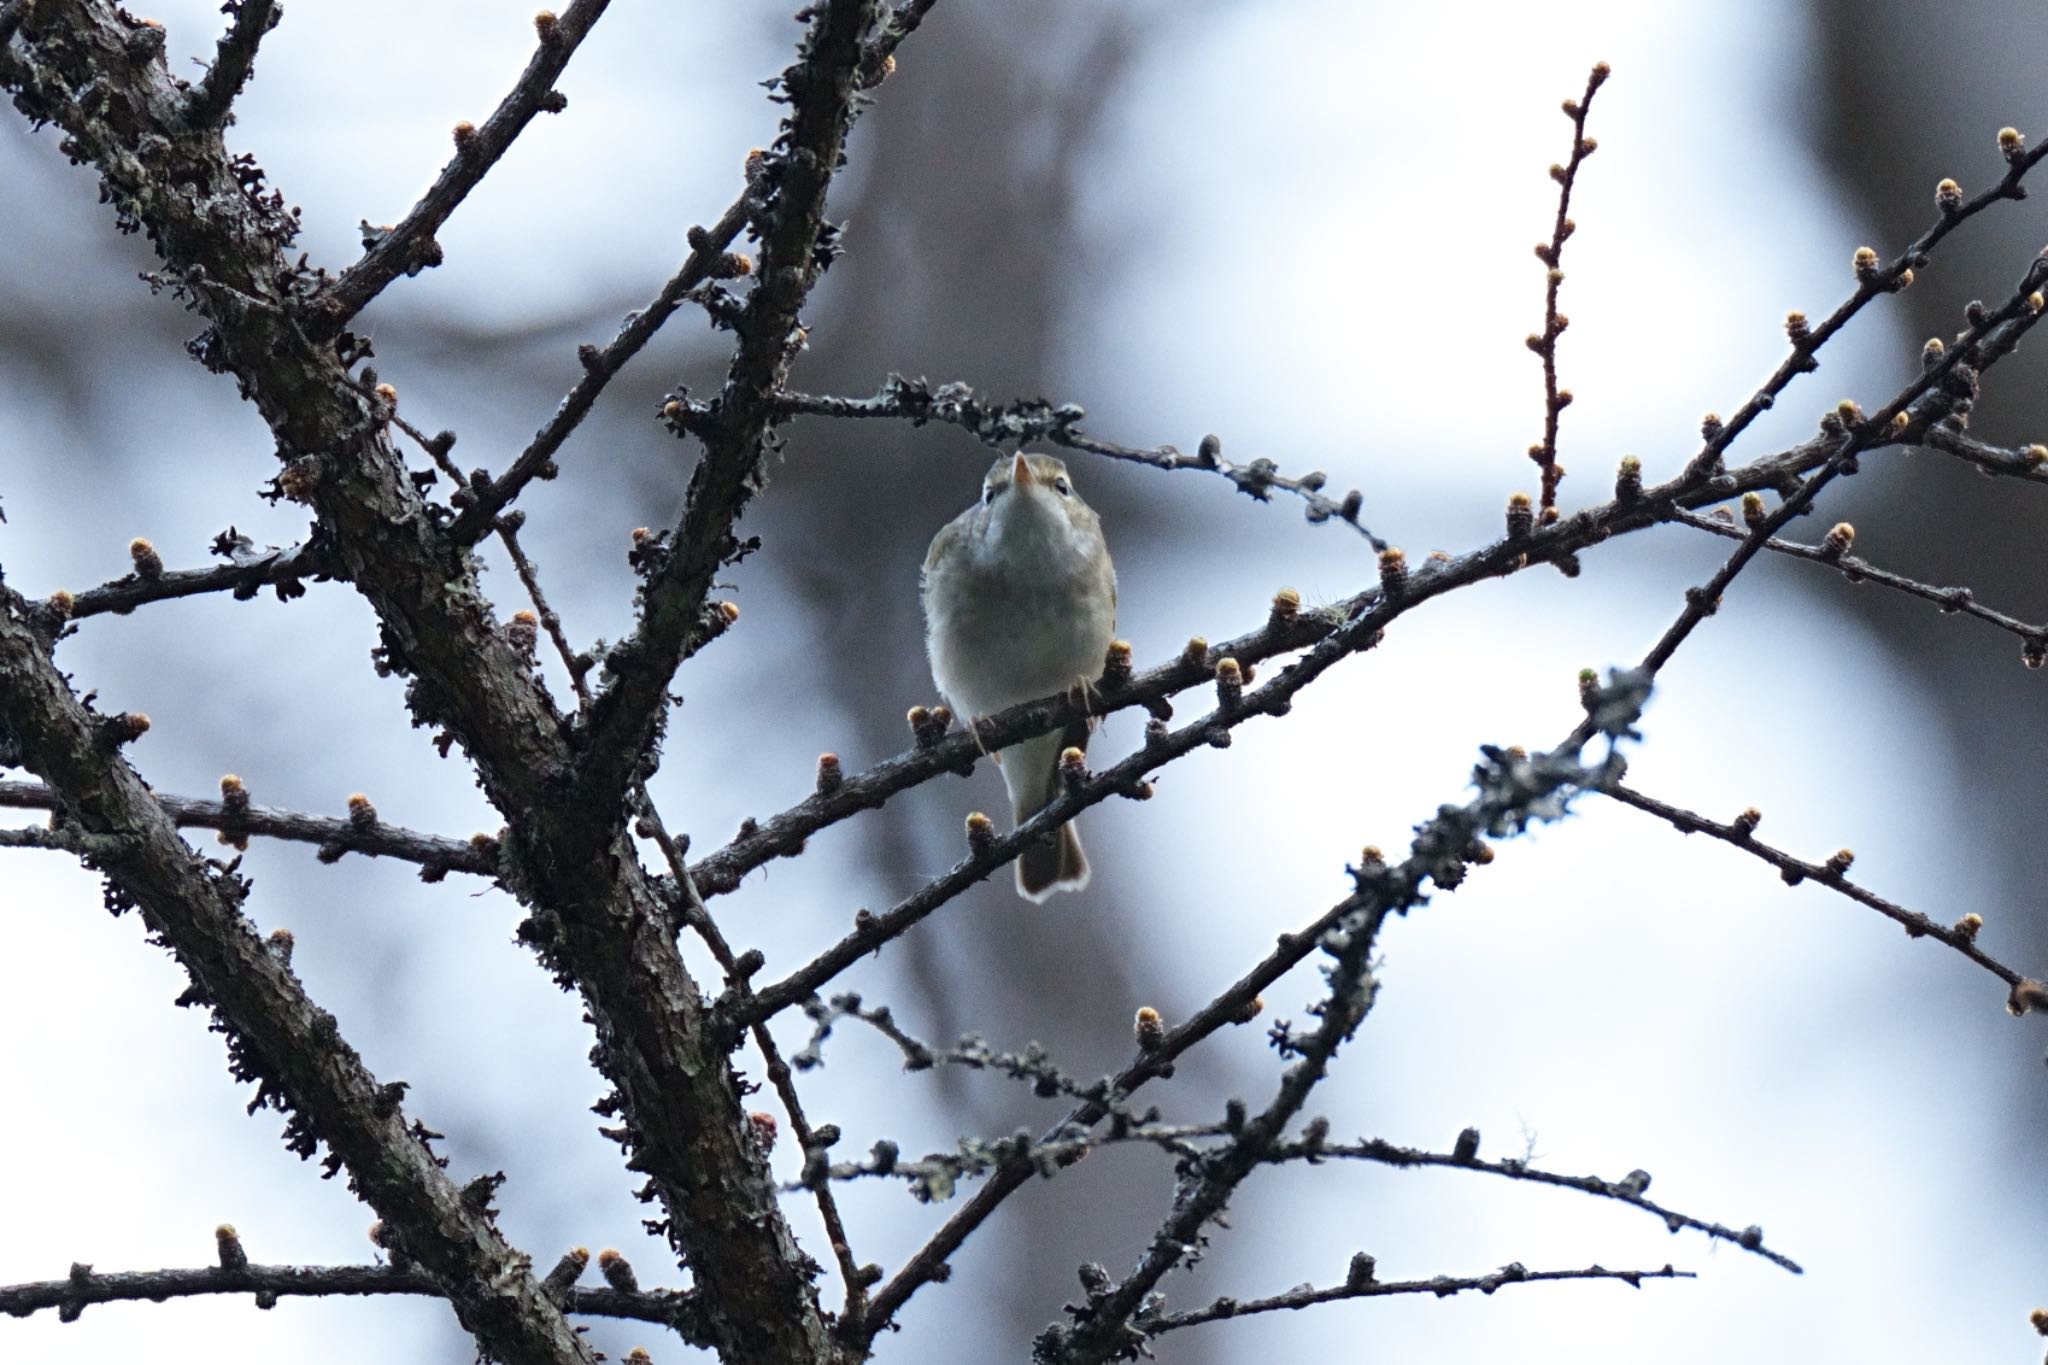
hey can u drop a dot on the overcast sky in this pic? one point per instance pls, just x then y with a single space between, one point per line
1309 227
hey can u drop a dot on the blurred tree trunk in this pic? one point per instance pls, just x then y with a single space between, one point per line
1890 118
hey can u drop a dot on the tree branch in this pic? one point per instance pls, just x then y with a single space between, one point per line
598 919
1859 570
1443 849
1628 1190
283 569
670 1308
2029 463
215 94
989 852
708 258
277 1037
1514 793
1443 1286
1961 936
796 247
1034 419
436 856
410 247
1544 344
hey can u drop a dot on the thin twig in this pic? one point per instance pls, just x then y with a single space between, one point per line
1859 570
1441 851
708 257
1034 419
1442 1286
284 569
1628 1190
2029 462
674 1309
233 56
435 854
1961 936
1126 778
410 246
1873 281
1555 400
1514 793
1924 402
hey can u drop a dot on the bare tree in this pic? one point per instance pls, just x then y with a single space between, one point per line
615 903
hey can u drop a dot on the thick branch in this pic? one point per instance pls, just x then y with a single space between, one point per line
795 249
599 920
278 1038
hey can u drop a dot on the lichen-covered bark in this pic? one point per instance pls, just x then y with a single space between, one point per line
280 1039
597 917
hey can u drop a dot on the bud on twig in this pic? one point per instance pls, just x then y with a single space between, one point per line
981 834
1628 480
1150 1029
361 813
1521 516
149 565
617 1271
1116 664
229 1244
1229 684
1393 573
522 632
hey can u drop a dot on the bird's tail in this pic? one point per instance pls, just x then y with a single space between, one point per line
1031 771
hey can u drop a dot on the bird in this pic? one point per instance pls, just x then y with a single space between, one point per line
1019 599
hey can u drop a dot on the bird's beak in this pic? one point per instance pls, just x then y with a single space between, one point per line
1020 471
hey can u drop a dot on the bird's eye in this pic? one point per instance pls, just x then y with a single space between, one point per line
988 493
1060 483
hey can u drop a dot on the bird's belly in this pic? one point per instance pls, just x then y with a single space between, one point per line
992 648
